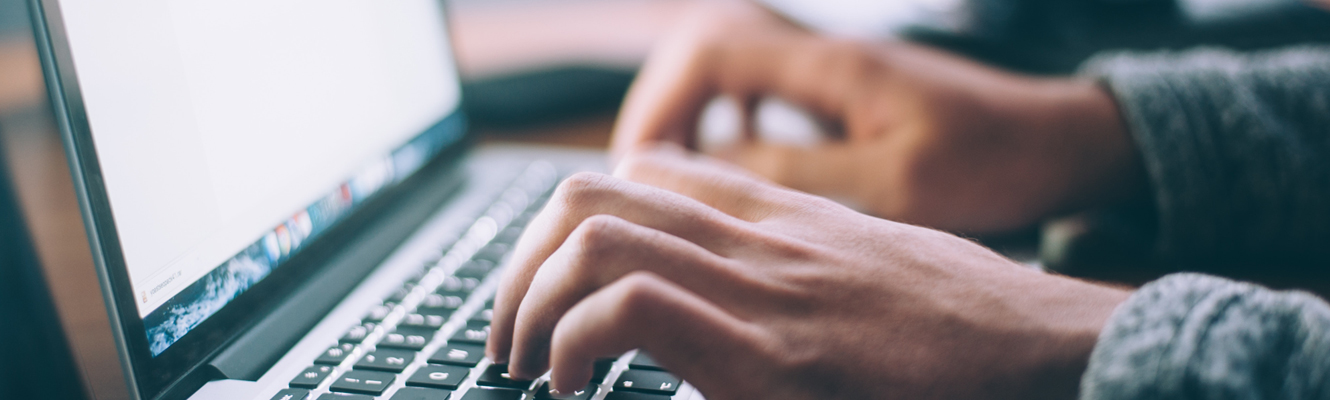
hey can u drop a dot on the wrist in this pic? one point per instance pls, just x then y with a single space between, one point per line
1072 314
1101 165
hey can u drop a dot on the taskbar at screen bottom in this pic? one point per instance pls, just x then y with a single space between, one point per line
171 321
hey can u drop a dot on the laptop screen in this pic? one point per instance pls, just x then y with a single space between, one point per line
229 134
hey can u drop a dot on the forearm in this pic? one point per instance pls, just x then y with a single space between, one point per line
1237 149
1191 336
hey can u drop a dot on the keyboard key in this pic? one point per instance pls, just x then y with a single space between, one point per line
407 338
634 396
344 396
458 354
415 393
386 360
497 376
601 368
379 312
432 322
440 302
438 376
517 224
454 286
358 333
543 393
644 361
291 394
400 294
336 354
484 316
493 252
492 394
510 234
474 333
444 313
311 377
655 382
475 269
363 382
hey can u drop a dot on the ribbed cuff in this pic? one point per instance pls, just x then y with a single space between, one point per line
1192 336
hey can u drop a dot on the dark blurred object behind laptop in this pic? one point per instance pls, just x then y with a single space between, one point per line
35 362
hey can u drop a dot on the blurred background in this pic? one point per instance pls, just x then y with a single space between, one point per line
554 71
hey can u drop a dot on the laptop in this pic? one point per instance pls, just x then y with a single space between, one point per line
283 201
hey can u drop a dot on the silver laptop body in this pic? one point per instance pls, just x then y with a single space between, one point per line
283 201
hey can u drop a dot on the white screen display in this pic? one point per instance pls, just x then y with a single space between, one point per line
213 122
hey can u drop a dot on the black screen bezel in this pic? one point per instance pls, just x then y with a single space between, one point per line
149 377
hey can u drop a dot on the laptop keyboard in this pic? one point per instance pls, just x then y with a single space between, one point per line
426 341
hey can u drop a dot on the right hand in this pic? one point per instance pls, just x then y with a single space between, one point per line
752 291
928 138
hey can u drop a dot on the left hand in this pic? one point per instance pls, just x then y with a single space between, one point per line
749 290
927 137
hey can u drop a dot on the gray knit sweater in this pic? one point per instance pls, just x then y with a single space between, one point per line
1237 148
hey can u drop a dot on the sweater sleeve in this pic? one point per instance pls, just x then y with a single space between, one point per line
1191 336
1237 149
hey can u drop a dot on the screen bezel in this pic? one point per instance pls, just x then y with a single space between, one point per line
150 377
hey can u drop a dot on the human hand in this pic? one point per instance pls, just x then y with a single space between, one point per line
750 290
925 137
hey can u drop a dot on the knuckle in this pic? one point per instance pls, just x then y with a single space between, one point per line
594 241
581 188
599 235
636 294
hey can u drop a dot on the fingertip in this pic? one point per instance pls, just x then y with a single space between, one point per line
496 357
566 380
517 373
524 368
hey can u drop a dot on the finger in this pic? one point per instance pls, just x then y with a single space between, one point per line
602 250
667 98
771 57
720 185
580 197
688 335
